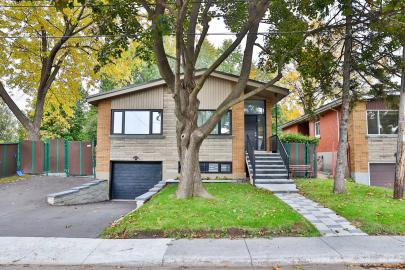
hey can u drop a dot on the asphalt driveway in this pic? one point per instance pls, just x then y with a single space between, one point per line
24 211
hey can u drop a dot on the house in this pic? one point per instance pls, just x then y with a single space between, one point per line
372 139
136 137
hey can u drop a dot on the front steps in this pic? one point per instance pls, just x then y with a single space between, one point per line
271 173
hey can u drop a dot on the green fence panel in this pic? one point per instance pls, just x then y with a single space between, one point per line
4 160
67 158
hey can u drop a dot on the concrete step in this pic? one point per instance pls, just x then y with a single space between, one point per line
267 158
279 188
261 165
269 162
271 171
274 181
272 176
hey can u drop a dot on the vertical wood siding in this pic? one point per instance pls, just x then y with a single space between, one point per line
145 99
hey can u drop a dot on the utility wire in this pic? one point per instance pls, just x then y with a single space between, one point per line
106 5
170 34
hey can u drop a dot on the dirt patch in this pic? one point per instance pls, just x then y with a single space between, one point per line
226 233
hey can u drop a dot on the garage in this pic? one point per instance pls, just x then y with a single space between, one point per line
131 179
382 174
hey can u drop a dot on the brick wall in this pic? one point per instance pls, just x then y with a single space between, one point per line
103 139
357 137
269 131
238 140
291 129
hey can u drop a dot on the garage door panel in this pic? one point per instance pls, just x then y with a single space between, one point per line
382 174
131 179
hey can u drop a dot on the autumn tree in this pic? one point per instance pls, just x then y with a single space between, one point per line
45 55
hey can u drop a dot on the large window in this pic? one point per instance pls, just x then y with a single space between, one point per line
382 122
224 126
136 122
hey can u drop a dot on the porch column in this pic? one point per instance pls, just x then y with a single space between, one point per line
269 108
238 140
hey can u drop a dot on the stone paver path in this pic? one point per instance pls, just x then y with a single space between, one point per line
325 220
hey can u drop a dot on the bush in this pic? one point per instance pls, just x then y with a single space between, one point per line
297 138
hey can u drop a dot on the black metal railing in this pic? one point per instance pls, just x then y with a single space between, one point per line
278 146
250 150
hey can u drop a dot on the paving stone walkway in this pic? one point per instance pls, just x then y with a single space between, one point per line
324 219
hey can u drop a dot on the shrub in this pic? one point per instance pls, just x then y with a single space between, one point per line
297 138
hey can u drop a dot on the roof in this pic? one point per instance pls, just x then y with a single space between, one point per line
94 99
305 117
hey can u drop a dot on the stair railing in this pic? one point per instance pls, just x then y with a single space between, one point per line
250 150
278 146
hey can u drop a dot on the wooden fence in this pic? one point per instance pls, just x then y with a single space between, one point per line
8 159
56 156
302 154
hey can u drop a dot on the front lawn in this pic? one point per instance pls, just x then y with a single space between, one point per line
13 178
372 209
238 210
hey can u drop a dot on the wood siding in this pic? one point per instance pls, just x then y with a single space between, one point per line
145 99
213 93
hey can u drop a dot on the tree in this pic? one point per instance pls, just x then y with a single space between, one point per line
188 22
367 54
8 124
400 162
45 55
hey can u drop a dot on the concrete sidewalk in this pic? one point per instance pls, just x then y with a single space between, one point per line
202 252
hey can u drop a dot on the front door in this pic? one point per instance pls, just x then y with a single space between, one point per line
251 129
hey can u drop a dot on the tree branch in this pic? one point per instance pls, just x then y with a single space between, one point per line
14 108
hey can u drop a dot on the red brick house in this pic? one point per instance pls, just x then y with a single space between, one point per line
371 139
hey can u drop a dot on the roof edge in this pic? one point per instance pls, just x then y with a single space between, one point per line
93 99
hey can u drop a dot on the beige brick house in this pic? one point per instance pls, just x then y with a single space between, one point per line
136 138
372 139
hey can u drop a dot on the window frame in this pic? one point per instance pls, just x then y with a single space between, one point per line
219 163
219 123
378 123
151 111
319 134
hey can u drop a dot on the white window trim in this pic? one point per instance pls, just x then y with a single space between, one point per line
317 135
378 123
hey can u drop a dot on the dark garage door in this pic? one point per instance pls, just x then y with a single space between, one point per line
131 179
382 174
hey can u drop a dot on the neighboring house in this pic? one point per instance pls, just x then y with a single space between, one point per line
372 139
136 133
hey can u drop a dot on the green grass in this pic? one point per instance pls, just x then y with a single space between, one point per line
13 178
370 208
238 210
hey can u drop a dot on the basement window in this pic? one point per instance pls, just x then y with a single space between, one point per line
136 122
214 167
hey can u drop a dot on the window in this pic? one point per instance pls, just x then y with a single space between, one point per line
382 122
318 129
214 167
224 126
136 122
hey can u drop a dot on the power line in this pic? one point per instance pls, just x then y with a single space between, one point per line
108 5
134 35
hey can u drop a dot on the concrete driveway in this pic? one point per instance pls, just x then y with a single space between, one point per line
24 211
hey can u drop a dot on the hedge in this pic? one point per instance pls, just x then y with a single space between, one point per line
297 138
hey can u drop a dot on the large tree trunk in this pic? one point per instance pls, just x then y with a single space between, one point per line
341 163
400 163
189 152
